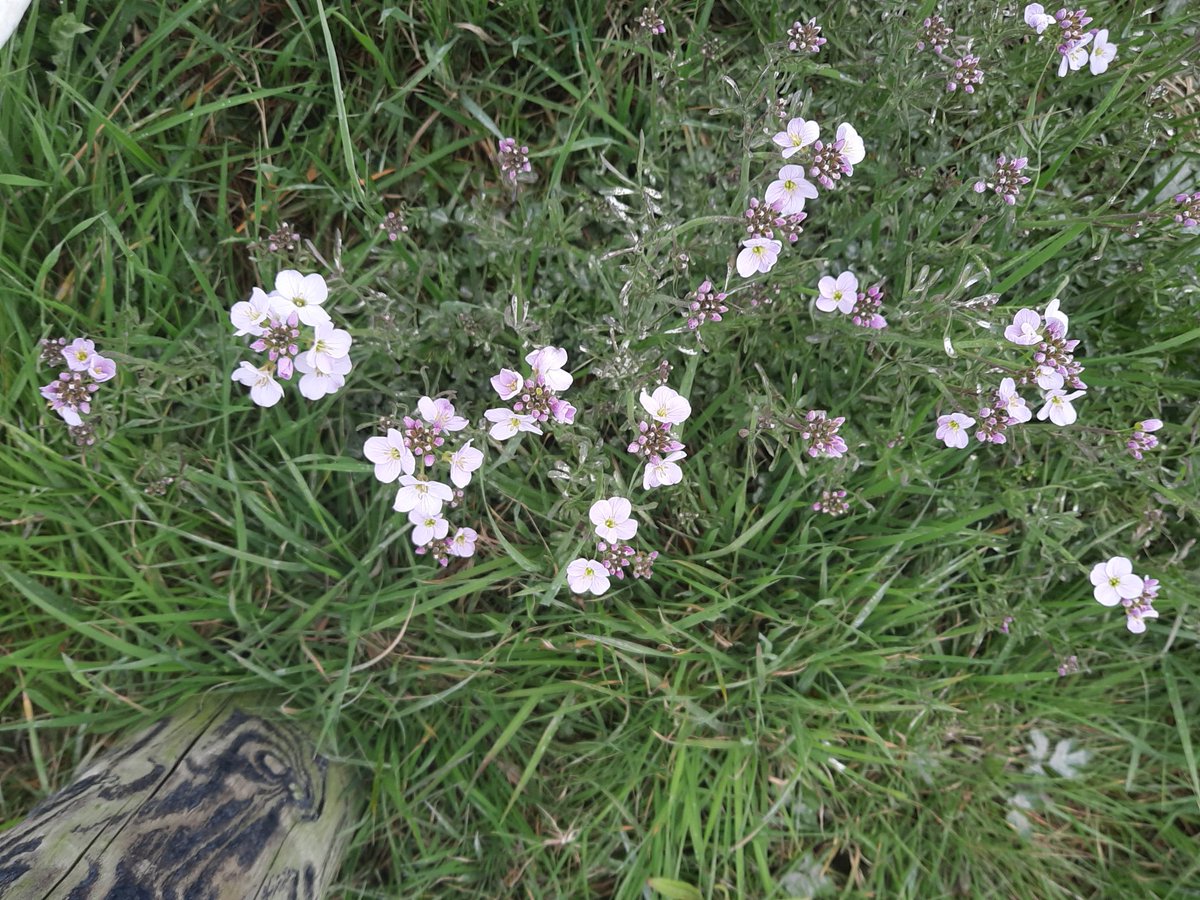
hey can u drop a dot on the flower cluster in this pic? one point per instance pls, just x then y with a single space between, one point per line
1077 46
964 73
935 33
783 202
536 395
842 294
832 503
1142 440
614 525
1007 179
707 304
651 21
409 455
514 160
821 432
276 322
1053 368
1114 583
1189 215
70 394
805 37
394 225
656 443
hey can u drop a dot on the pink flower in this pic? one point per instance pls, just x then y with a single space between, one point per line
427 526
1114 581
562 411
465 460
547 364
758 255
425 497
1036 18
264 389
1058 408
663 470
788 193
1025 328
507 384
439 414
1076 57
78 354
839 293
798 135
953 429
463 542
612 519
1012 403
665 405
506 423
101 368
390 455
853 150
585 575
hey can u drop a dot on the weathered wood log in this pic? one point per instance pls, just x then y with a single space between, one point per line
212 804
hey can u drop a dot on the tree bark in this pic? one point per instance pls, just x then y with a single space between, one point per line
211 804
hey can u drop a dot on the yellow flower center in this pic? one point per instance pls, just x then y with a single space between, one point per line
610 523
789 185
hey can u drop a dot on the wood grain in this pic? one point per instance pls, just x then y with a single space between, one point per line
212 804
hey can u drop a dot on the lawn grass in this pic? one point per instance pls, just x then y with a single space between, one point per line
795 703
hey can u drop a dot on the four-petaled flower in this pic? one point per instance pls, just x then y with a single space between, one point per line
1102 53
250 316
465 460
666 405
1012 403
1036 17
1058 408
390 455
422 496
952 429
612 519
78 354
329 343
1025 328
440 414
463 542
1077 56
585 575
506 423
839 293
508 383
757 255
427 526
663 470
798 135
264 389
317 381
1114 581
547 363
301 294
788 193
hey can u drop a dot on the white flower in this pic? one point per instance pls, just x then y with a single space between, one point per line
506 423
1102 53
585 575
853 150
329 343
548 363
665 405
1075 58
788 193
799 134
427 527
463 542
612 519
839 293
465 460
301 294
758 255
1048 378
391 457
264 389
319 381
440 414
425 497
1058 407
1036 17
249 316
663 470
1114 581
